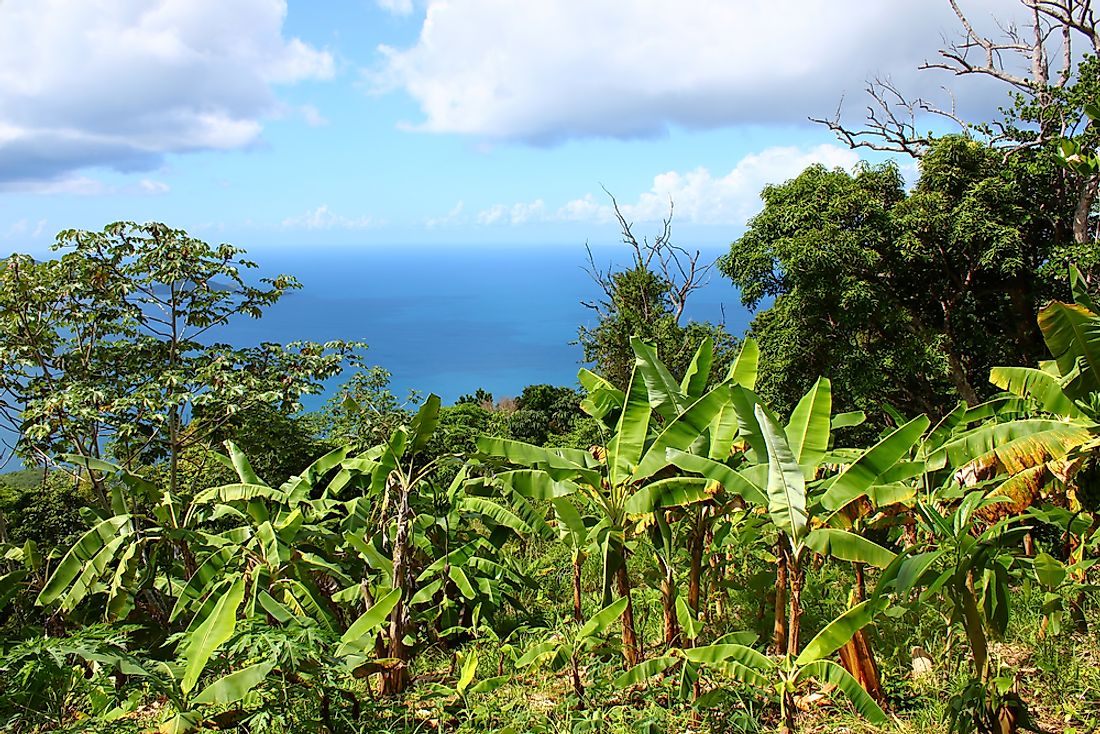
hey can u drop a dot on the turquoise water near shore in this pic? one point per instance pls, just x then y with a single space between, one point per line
452 319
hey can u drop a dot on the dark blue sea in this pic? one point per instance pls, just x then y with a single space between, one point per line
452 319
449 319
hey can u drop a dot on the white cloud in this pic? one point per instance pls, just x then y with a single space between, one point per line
546 71
699 196
397 7
452 217
149 186
521 213
323 218
120 83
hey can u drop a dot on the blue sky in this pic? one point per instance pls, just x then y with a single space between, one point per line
276 124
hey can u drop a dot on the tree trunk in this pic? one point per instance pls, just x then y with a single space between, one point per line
668 605
794 619
575 676
630 637
578 564
396 680
857 656
695 574
1081 233
779 634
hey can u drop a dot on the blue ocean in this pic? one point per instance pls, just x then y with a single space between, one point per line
452 319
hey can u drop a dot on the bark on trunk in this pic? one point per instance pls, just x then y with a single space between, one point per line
630 638
396 680
695 575
794 620
668 606
857 655
1081 234
779 632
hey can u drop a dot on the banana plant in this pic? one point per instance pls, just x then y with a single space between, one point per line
780 470
1057 432
566 646
966 566
784 676
625 478
458 695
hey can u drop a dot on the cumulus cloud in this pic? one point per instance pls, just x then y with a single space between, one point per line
546 71
323 218
699 196
120 83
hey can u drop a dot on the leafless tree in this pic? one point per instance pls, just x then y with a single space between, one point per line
1036 60
679 267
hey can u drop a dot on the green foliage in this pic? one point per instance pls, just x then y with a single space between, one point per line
927 276
44 510
114 343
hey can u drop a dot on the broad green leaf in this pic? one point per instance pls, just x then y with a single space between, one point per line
537 652
913 569
93 570
684 430
537 484
837 633
745 403
826 672
598 623
490 684
235 686
496 513
735 482
469 670
1049 571
873 464
571 520
809 428
743 369
525 454
1041 387
424 423
1077 283
738 661
241 465
849 419
602 397
211 634
697 375
461 581
1072 334
671 492
643 671
689 622
360 634
624 450
786 484
1017 445
181 723
665 396
847 546
239 493
84 550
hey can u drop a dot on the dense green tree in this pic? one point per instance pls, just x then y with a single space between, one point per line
898 295
41 507
112 344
